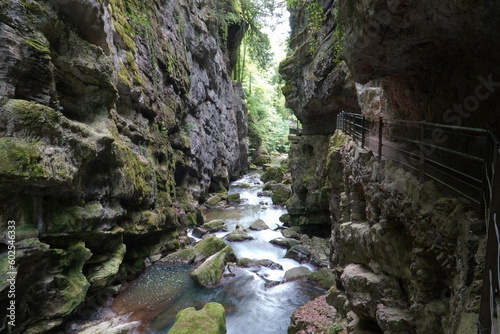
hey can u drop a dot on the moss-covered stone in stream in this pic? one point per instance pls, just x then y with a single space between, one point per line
273 174
20 159
210 272
211 319
208 247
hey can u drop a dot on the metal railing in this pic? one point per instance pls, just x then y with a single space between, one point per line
464 160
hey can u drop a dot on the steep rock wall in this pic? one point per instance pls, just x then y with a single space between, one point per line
408 257
117 117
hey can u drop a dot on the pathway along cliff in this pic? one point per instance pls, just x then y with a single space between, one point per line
253 305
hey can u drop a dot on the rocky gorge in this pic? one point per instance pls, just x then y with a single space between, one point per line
408 256
120 117
117 119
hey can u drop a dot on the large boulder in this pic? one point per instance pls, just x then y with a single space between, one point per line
210 272
298 253
280 193
272 174
238 235
212 226
211 319
201 251
285 242
297 272
259 225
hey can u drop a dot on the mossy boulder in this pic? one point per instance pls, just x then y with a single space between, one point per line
207 247
210 272
100 275
238 235
281 193
324 277
261 157
285 242
267 185
212 226
296 273
201 251
298 253
215 201
211 319
234 198
259 225
273 174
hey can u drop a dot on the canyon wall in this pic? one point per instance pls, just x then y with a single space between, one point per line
408 255
117 118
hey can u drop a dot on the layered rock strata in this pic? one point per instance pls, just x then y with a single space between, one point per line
117 117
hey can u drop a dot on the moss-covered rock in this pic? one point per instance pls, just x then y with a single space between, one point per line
20 159
210 272
238 235
259 225
324 277
234 198
281 193
215 201
297 272
285 242
211 319
272 174
208 247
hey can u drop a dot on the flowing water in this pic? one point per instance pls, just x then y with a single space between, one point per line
162 291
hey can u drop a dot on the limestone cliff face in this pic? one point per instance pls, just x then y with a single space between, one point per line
116 118
408 257
318 85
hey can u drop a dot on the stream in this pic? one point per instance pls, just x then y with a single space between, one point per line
162 291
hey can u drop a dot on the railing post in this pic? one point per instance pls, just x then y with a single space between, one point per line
344 127
422 153
363 132
380 138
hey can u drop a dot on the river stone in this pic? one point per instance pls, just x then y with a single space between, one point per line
292 232
259 225
234 198
211 319
324 277
210 272
207 247
285 242
272 174
267 185
298 253
281 193
238 235
214 201
297 272
265 193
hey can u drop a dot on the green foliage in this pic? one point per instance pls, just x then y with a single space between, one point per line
315 18
335 328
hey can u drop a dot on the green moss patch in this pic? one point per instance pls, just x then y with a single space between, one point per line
20 160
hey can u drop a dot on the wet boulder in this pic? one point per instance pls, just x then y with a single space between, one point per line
212 226
259 225
211 319
202 250
280 193
272 174
210 272
285 242
238 235
234 198
298 253
296 273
